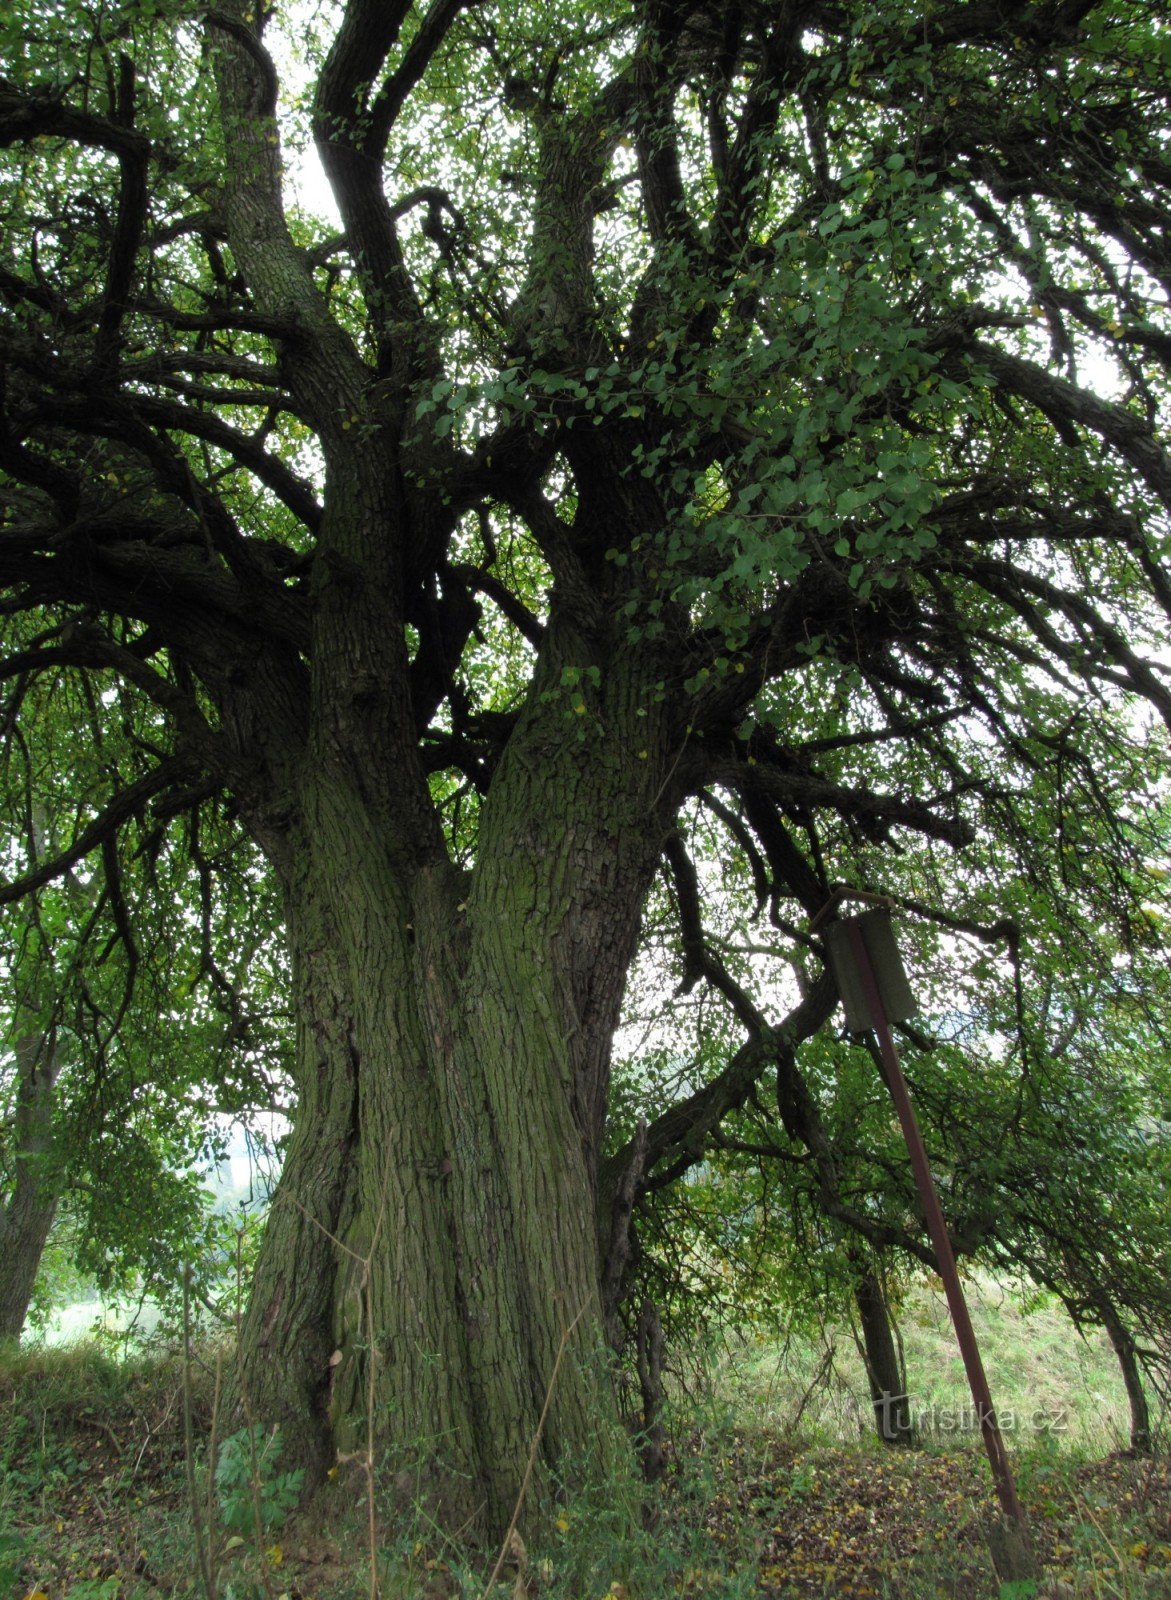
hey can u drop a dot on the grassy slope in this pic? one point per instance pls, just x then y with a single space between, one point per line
1043 1377
93 1484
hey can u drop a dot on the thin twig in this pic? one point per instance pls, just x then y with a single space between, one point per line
202 1550
533 1448
366 1301
321 1228
254 1457
213 1444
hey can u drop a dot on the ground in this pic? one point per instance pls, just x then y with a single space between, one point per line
845 1522
771 1489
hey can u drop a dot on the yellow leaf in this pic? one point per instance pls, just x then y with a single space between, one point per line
275 1555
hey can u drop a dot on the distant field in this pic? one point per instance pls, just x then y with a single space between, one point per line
1045 1379
77 1322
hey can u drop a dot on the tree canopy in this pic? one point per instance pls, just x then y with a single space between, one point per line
711 457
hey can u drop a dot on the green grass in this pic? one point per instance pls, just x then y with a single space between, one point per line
777 1487
1044 1378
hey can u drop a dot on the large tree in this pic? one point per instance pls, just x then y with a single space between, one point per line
753 402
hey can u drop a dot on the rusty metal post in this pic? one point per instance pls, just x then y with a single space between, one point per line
1013 1558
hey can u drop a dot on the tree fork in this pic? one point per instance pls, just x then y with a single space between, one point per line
435 1232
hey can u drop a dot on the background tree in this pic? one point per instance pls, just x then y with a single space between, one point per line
1043 1109
692 403
142 1006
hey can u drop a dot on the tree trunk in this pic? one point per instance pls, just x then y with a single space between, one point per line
433 1240
1127 1352
432 1246
26 1220
884 1371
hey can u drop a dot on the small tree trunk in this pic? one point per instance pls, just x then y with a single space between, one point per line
27 1218
892 1408
650 1382
1127 1352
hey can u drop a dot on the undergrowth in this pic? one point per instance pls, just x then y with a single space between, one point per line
775 1487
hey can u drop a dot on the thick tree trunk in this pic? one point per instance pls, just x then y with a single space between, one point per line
432 1245
884 1371
433 1241
27 1219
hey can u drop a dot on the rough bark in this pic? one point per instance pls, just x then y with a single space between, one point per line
435 1233
650 1352
27 1219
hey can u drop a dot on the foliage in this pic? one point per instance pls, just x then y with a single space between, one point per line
1042 1089
13 1549
246 1477
158 1023
718 465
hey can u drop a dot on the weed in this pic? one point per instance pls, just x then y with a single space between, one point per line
14 1552
94 1451
247 1463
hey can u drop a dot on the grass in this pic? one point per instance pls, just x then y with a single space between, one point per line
776 1487
1044 1379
